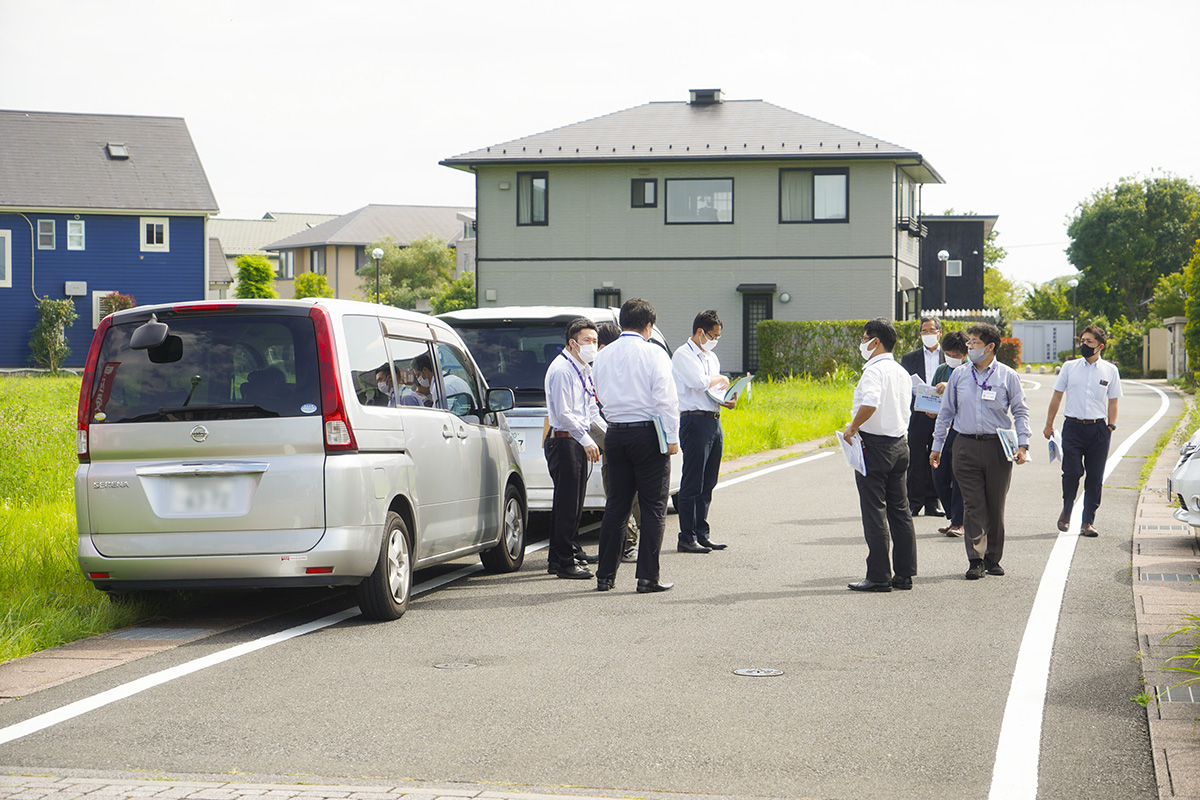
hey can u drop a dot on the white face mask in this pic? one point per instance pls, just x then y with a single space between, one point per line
865 349
423 382
930 340
587 353
953 362
709 343
383 387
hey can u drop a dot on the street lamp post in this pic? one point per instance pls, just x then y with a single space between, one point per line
377 254
1073 283
944 257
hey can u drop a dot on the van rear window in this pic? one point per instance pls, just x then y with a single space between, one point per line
209 368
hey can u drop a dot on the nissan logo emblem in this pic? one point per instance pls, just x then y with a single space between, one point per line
199 433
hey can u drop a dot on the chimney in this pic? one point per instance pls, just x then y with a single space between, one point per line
705 97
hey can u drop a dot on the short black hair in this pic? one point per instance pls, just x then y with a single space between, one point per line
607 333
636 314
579 324
1096 331
422 361
954 340
934 320
986 333
706 320
882 329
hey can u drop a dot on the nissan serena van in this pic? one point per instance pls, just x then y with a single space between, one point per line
269 443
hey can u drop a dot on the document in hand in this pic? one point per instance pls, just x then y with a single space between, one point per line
734 392
1008 439
662 436
926 398
1055 445
853 451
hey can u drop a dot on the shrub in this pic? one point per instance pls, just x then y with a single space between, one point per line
1009 352
119 302
310 284
49 340
1125 345
254 278
820 347
455 296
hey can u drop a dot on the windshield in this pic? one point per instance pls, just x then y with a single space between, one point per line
515 356
208 368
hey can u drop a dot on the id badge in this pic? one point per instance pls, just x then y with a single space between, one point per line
989 394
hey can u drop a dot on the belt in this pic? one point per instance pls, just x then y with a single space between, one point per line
643 424
981 436
1086 421
713 414
560 435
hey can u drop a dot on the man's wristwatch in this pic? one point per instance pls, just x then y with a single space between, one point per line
1112 427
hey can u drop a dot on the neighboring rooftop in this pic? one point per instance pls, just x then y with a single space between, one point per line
218 267
372 223
100 161
241 237
705 128
988 220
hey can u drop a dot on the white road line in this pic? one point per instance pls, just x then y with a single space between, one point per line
72 710
1015 774
785 465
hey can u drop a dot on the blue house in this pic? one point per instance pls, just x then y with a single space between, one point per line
92 204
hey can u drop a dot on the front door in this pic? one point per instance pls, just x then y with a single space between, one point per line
756 307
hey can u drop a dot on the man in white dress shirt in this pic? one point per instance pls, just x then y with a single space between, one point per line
572 411
1093 387
697 370
880 416
635 386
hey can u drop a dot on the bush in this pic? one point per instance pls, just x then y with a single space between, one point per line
1125 345
1009 352
821 347
49 340
119 302
310 284
455 296
254 278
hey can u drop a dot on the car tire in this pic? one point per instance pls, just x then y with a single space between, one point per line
509 553
385 593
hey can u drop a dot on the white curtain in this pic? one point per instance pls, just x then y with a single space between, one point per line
796 195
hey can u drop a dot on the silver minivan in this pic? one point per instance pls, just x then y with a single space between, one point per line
273 443
515 345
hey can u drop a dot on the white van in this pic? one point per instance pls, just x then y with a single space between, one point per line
515 345
290 443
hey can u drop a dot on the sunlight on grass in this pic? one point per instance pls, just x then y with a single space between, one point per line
785 412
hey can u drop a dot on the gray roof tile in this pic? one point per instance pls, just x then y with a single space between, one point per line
372 223
52 160
218 267
242 236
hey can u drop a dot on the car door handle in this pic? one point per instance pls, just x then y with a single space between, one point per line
462 431
447 431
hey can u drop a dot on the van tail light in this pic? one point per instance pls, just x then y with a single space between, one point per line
83 414
339 436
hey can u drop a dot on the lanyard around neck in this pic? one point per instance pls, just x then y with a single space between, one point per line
589 386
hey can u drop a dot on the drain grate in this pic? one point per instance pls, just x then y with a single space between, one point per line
758 672
1182 577
158 633
1179 694
455 665
1165 527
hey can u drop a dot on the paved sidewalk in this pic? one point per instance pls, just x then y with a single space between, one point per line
1166 585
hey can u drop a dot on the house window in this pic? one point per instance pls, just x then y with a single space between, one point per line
75 239
287 265
532 198
699 201
954 268
156 234
316 261
45 234
606 298
101 306
645 193
5 259
814 195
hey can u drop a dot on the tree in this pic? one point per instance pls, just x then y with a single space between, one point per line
1191 331
1125 237
407 274
310 284
1170 296
1002 294
48 344
456 295
254 278
1050 300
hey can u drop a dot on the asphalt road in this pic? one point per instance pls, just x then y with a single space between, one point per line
899 695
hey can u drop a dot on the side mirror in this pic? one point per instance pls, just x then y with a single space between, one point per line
149 334
501 399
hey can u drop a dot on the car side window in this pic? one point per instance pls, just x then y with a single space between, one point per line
460 385
411 363
368 360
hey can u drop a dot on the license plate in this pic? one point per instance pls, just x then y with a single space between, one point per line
207 497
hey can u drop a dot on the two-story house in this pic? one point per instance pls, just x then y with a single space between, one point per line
92 204
742 206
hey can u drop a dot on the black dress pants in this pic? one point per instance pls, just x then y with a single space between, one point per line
922 492
702 442
884 504
634 466
568 465
1085 452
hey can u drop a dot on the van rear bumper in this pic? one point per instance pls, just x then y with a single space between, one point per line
351 552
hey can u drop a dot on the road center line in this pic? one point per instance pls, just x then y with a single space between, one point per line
1015 774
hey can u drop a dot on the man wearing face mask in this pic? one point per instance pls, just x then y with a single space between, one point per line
697 370
572 411
979 399
1092 386
923 362
880 416
954 345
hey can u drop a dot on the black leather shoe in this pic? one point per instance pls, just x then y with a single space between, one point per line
584 558
645 586
552 568
1064 521
692 547
710 544
574 571
901 583
993 569
975 572
869 586
933 511
604 584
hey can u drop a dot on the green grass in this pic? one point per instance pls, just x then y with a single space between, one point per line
44 599
782 413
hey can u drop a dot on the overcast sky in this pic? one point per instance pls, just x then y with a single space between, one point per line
1025 108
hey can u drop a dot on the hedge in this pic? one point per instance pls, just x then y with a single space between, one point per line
821 347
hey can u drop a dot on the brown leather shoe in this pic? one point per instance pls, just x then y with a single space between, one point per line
955 530
1086 529
1064 521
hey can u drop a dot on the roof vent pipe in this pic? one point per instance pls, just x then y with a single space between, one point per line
705 97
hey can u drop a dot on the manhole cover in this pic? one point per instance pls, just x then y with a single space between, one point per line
757 672
457 665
